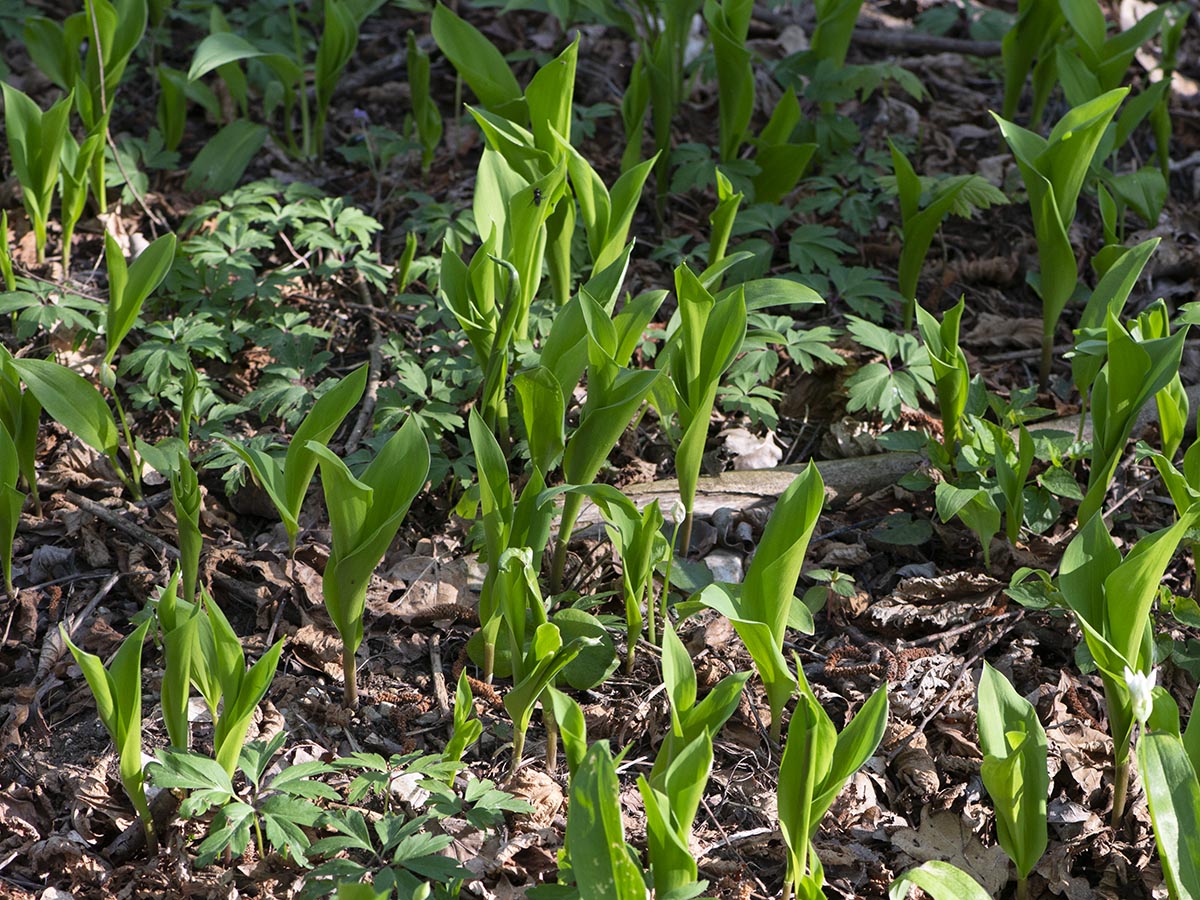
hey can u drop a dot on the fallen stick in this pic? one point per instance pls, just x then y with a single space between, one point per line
844 478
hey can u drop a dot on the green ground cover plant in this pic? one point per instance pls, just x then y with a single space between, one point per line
522 386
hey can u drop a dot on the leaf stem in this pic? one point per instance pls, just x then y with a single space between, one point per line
135 482
350 677
518 751
571 507
1047 358
1120 791
551 725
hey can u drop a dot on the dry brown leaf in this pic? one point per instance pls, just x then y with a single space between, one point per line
991 330
944 836
541 792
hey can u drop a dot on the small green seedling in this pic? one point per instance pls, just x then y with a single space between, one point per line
637 537
180 636
571 725
603 865
689 718
761 606
223 49
88 54
681 769
364 515
128 288
1013 461
286 481
185 494
1109 296
20 413
1014 771
507 525
729 25
76 404
709 337
35 144
977 509
6 264
1111 598
1053 169
1138 367
1154 323
546 658
76 165
919 224
606 214
129 285
615 393
720 222
817 762
118 693
466 730
671 800
426 117
186 498
231 691
535 653
951 376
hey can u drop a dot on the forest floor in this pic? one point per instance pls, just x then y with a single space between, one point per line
922 616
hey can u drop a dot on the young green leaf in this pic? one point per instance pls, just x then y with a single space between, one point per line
118 693
11 501
130 285
479 63
941 880
286 482
364 515
73 402
35 141
1014 769
1053 169
604 866
759 609
1173 794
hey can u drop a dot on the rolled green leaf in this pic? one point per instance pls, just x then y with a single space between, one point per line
1014 769
118 693
1173 794
604 866
364 516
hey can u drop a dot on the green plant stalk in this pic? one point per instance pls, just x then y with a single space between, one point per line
99 182
134 482
1120 791
551 725
1121 756
6 266
365 514
663 596
11 501
572 504
305 147
350 675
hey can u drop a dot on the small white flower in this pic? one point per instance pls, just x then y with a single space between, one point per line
678 512
1141 692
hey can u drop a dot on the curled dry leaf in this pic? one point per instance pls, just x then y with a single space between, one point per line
749 451
541 792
